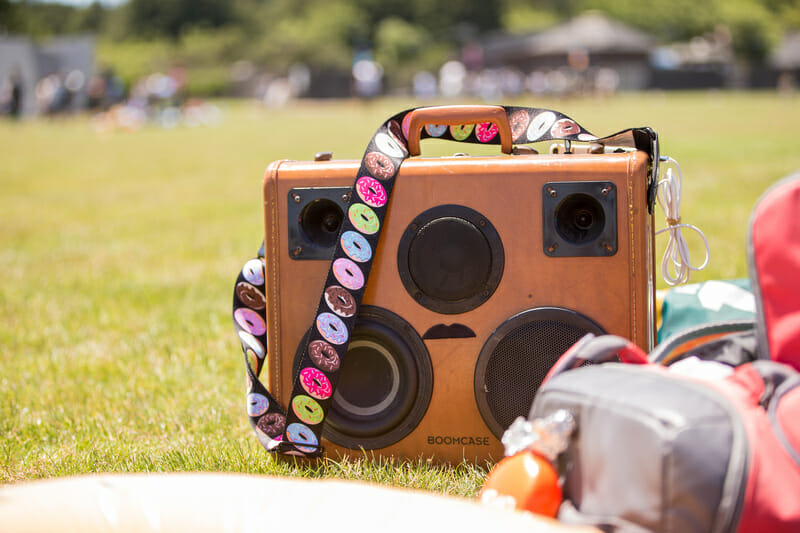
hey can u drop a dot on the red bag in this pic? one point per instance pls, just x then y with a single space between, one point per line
704 434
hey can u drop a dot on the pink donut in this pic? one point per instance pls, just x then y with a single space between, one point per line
371 191
250 321
486 131
348 274
406 124
316 383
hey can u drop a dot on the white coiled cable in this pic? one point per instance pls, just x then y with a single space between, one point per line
677 252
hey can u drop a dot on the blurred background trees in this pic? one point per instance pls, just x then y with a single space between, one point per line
405 36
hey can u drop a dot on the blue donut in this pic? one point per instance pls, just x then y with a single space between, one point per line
435 130
257 404
253 272
298 433
332 328
356 246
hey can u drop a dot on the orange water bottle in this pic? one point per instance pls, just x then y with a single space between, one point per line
526 479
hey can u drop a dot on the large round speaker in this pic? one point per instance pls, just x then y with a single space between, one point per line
385 383
450 259
516 358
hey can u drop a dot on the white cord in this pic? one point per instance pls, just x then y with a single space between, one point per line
677 253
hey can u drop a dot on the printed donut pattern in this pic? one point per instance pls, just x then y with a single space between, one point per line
356 246
298 429
316 384
297 434
307 409
340 301
435 130
249 305
486 131
364 219
371 191
348 273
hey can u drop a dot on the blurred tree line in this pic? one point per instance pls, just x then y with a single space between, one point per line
405 36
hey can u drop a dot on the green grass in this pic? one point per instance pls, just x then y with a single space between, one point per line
118 252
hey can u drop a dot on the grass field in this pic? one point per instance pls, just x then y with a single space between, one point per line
118 252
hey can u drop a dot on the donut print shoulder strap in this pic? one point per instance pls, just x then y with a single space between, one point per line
297 429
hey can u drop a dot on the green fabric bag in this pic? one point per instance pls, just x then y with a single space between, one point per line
691 305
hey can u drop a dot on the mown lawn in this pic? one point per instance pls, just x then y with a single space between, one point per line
118 252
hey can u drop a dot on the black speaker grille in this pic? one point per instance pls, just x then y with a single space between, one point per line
518 356
450 259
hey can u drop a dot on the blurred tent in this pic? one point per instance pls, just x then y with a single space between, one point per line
589 41
785 60
56 69
703 62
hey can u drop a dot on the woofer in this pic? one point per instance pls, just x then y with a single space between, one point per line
516 358
450 259
385 383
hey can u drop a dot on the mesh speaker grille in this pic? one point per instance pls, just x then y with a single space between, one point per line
518 356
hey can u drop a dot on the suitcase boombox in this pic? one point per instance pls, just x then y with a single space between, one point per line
488 269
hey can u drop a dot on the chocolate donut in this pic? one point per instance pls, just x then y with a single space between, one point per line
340 301
324 356
519 123
250 296
379 164
272 424
397 132
564 128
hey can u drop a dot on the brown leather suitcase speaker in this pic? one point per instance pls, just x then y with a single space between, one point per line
488 269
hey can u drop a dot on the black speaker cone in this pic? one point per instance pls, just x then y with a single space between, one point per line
450 259
320 221
516 358
384 386
580 218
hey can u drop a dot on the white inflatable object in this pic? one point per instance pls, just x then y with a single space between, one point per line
231 503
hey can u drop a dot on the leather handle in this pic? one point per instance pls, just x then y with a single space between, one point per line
453 115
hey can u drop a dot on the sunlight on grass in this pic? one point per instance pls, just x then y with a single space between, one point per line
118 253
